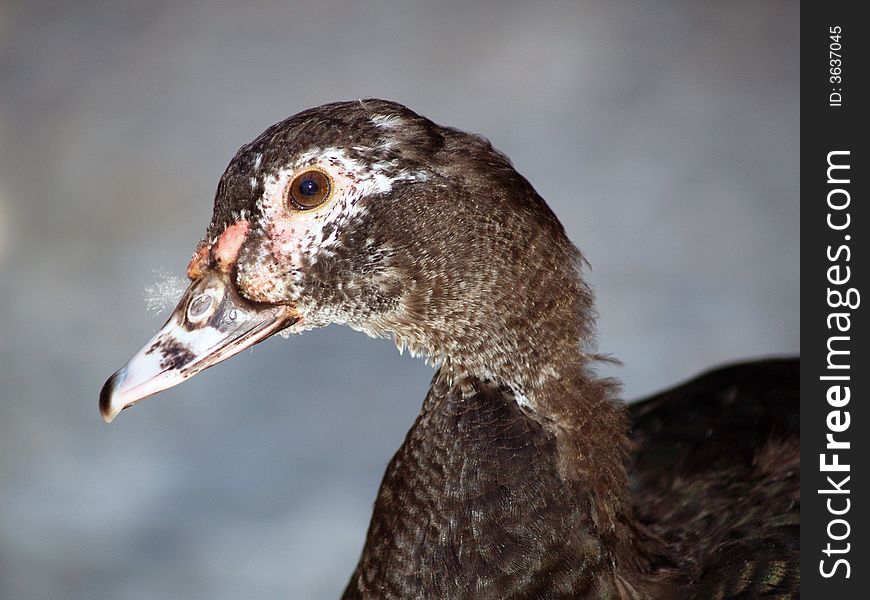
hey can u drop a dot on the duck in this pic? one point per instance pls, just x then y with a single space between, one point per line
524 474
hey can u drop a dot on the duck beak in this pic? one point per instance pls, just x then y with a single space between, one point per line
211 323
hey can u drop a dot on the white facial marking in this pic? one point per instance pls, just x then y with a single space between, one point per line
386 121
299 237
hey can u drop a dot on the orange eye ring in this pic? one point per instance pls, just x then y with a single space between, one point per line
309 190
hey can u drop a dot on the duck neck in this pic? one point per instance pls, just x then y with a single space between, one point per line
484 490
537 356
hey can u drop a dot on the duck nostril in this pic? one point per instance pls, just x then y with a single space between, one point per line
199 306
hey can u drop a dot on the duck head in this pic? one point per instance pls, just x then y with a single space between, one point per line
367 214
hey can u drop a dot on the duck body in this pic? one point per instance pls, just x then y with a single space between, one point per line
474 505
716 474
524 475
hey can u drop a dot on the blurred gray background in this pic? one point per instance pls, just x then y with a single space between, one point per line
664 134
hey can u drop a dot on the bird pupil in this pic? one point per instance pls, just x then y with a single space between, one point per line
308 187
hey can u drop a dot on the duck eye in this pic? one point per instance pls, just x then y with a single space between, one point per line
309 190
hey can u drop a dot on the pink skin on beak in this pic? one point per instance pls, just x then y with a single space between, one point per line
211 323
223 254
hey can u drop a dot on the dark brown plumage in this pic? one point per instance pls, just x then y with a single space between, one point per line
512 483
716 473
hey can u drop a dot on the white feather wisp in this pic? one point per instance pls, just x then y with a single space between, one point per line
164 293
